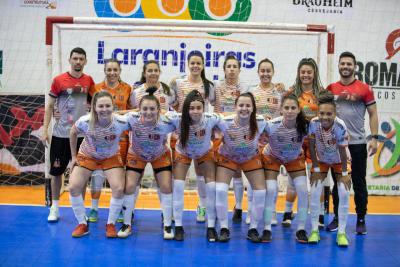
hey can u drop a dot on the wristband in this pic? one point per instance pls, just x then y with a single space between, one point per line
316 169
345 173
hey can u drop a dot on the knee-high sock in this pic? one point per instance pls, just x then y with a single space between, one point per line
290 188
210 207
166 207
300 183
257 208
115 209
128 205
343 207
238 190
201 190
269 203
137 191
221 204
249 199
177 201
275 197
78 208
315 205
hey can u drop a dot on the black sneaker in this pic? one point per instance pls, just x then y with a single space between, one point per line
212 235
321 224
361 228
266 236
301 236
287 219
333 226
253 235
179 233
237 215
224 235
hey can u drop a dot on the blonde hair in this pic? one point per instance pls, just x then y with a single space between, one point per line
93 115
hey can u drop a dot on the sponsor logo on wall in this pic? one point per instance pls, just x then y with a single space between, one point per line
324 6
49 4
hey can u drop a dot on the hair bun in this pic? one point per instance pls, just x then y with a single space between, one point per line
151 90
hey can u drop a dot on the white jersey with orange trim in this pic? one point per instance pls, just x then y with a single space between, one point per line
166 101
199 139
268 102
236 143
328 141
283 143
101 142
183 87
226 94
148 141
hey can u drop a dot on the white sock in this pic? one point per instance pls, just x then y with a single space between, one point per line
97 180
275 197
315 205
249 199
210 207
128 205
115 209
321 207
137 191
221 204
201 190
300 184
290 188
238 189
288 206
269 203
343 209
257 208
177 201
166 206
55 203
78 208
95 204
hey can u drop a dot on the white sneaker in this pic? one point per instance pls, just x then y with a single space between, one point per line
54 214
274 221
168 233
125 231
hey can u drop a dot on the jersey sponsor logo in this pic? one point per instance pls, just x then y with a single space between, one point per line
110 138
200 133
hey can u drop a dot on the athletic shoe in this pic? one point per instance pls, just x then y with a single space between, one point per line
333 226
212 235
120 217
111 232
314 237
54 215
266 236
201 214
287 219
301 236
361 228
168 233
179 233
274 221
248 217
341 240
321 223
237 215
253 235
125 231
93 215
80 230
224 235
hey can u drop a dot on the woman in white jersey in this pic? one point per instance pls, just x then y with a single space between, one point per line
102 131
194 143
196 80
328 143
239 150
286 135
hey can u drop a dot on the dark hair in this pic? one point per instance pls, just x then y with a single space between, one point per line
265 60
150 96
301 121
93 114
206 82
326 97
112 60
253 115
229 57
165 87
77 50
186 120
316 86
348 54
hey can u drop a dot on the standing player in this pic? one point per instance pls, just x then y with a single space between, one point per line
99 151
328 143
196 80
353 98
120 92
68 94
239 149
285 139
